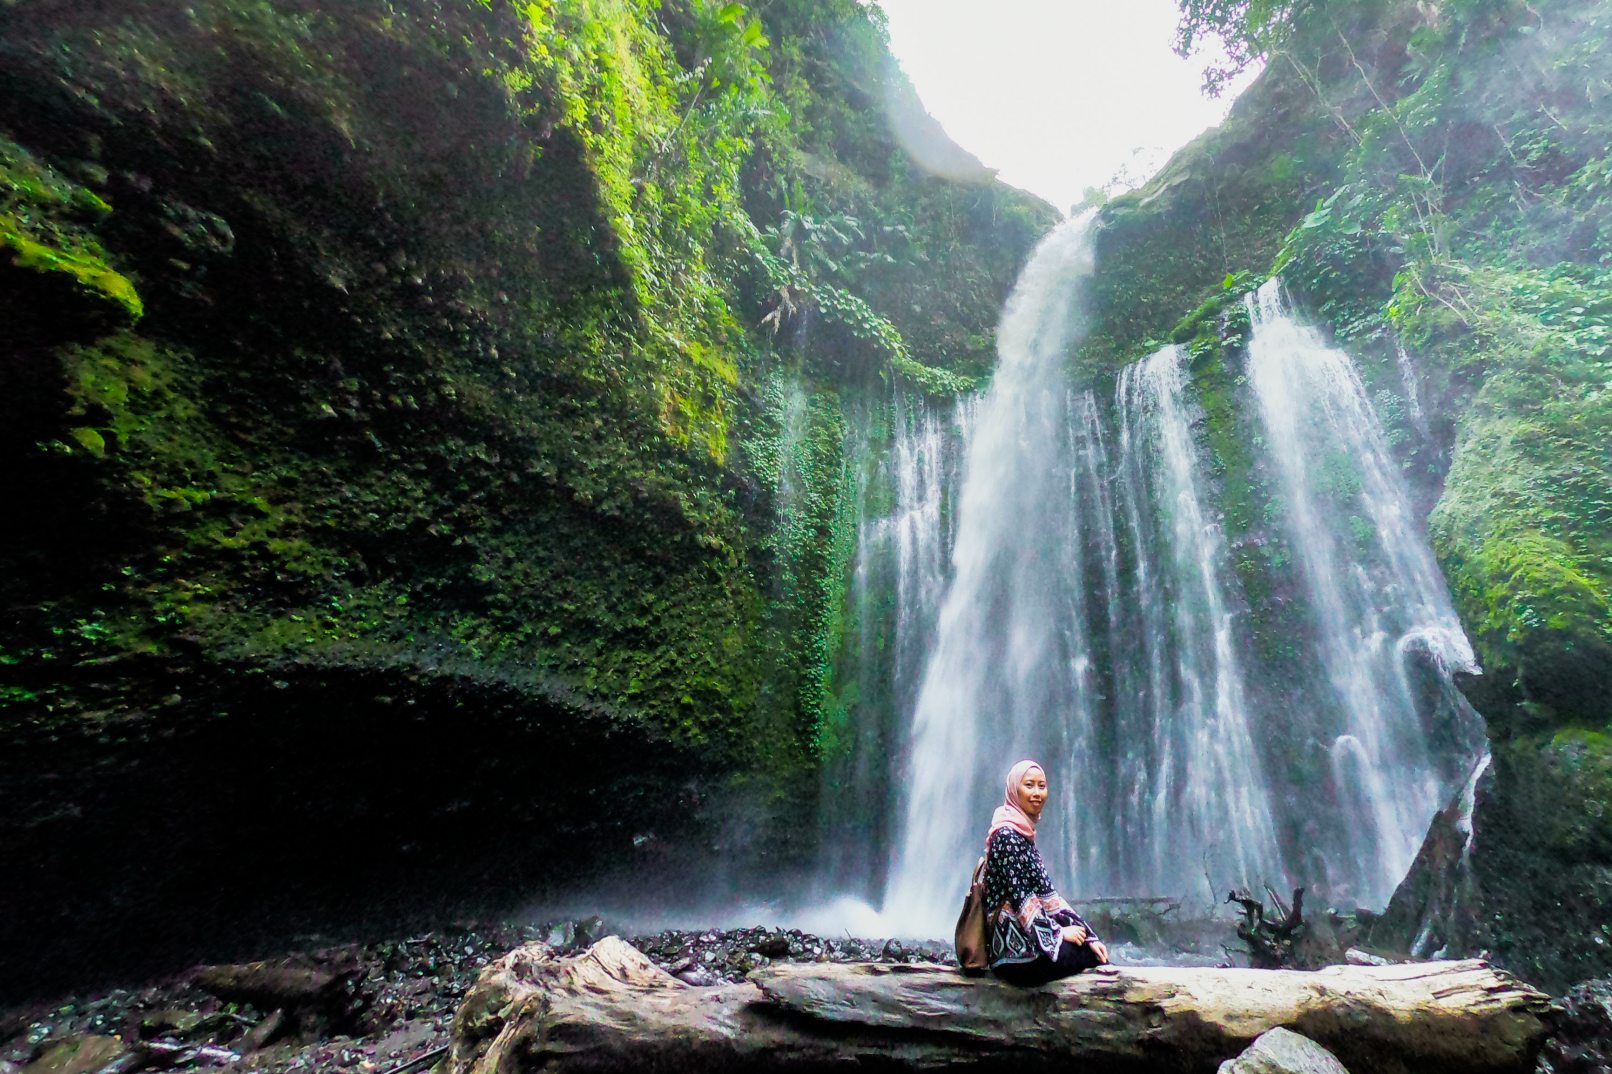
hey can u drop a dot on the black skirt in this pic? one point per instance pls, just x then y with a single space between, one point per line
1072 958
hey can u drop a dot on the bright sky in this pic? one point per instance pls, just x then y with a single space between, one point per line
1058 95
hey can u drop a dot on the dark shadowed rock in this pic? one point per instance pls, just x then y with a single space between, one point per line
1582 1042
316 992
78 1055
1431 913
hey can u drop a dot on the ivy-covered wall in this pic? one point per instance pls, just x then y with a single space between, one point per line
477 362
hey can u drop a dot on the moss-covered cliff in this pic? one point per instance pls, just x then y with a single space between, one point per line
477 366
1434 176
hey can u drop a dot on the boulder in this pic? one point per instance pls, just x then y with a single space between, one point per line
78 1055
1582 1039
1282 1051
315 994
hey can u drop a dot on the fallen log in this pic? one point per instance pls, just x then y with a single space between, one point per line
611 1009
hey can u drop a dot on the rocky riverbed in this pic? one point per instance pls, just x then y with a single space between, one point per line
375 1007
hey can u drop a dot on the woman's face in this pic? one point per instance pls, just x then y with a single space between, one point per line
1033 792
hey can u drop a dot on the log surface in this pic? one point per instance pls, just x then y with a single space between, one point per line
610 1008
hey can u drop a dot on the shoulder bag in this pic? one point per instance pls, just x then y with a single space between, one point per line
971 943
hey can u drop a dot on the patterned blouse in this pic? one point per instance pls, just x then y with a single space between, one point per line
1026 916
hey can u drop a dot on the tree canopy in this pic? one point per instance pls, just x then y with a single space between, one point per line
1247 31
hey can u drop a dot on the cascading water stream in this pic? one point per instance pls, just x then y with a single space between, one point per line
1035 653
1199 795
1009 673
1411 378
910 451
1375 594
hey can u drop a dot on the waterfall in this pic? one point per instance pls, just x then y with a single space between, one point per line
1199 797
1048 575
1375 594
910 454
1411 380
1011 669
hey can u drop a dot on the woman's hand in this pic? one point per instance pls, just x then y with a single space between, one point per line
1076 935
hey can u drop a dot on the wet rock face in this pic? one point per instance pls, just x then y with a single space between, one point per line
1432 912
1518 867
1542 859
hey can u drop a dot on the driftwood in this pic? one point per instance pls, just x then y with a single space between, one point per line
314 995
1271 941
611 1009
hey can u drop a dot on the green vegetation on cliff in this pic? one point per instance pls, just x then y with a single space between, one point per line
50 251
1455 158
1471 224
488 344
1432 176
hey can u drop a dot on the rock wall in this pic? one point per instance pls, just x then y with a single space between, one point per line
423 414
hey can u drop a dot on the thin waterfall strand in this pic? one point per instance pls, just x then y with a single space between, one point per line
1372 584
1207 792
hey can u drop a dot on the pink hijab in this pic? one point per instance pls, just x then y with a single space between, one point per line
1011 814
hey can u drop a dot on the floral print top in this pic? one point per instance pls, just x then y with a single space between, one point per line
1025 915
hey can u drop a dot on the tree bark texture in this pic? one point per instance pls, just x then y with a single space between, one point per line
611 1009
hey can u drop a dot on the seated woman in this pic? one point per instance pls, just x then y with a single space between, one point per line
1035 936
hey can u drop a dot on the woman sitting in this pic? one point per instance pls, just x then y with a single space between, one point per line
1035 936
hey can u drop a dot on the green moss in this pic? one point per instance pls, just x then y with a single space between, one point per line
45 228
90 440
1573 789
801 451
1532 580
1221 206
1543 862
1216 336
89 272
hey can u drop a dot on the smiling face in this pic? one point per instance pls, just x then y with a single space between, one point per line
1033 793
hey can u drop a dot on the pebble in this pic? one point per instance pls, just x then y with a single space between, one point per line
730 954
